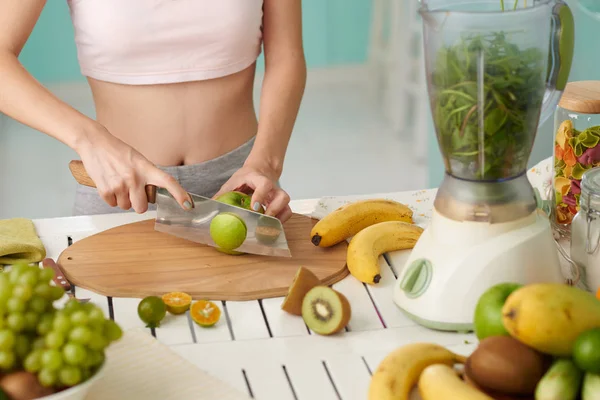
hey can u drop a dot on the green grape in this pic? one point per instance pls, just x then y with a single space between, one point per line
22 346
56 293
80 334
15 305
38 304
15 322
69 375
79 317
47 378
54 340
22 292
61 323
74 354
112 330
39 343
33 361
7 360
96 316
71 306
95 358
46 275
7 339
86 374
16 271
5 289
43 290
28 278
97 342
51 359
45 324
31 320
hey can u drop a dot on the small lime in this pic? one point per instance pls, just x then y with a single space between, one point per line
586 351
152 310
228 231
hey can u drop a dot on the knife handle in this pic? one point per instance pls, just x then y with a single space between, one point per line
81 176
59 277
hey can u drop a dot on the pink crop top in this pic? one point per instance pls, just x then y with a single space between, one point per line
165 41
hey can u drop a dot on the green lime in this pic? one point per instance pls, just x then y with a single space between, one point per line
586 351
152 310
228 231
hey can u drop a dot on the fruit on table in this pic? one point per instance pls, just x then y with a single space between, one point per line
487 319
590 387
238 199
228 231
505 365
399 371
177 302
586 351
152 310
440 381
349 219
562 381
325 310
303 281
494 395
369 244
22 385
550 316
44 349
205 313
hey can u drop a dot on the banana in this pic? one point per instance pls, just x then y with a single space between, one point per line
562 381
351 218
440 381
399 371
370 243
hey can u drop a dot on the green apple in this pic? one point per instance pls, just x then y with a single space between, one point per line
228 231
238 199
488 311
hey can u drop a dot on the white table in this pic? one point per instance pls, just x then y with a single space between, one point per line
260 349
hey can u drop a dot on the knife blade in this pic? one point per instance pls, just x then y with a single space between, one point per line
265 234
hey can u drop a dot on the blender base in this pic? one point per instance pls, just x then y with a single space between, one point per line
454 263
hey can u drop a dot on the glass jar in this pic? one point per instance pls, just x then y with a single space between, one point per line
585 231
576 149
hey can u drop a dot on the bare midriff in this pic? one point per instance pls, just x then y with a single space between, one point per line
180 123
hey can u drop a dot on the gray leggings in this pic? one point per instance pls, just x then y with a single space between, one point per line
205 179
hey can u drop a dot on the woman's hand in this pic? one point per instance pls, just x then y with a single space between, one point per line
261 183
121 173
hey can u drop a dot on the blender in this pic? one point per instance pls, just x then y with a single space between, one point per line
495 70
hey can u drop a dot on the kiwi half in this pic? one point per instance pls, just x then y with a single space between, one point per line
303 281
325 310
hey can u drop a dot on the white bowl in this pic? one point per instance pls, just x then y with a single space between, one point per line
78 392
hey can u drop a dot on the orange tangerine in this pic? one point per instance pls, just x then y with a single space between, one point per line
205 313
177 302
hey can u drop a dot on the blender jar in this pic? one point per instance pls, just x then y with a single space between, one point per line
576 149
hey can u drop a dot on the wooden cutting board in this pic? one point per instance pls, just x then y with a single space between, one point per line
134 260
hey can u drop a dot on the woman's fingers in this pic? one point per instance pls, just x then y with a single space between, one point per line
285 214
139 199
278 203
163 179
262 188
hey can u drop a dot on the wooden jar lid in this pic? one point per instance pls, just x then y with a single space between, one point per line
581 96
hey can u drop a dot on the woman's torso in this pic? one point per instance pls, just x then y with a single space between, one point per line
172 78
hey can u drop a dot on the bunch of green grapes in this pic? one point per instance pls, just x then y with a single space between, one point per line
63 347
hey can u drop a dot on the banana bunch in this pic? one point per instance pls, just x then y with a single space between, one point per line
374 227
427 364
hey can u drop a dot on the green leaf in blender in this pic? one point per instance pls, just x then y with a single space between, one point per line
487 96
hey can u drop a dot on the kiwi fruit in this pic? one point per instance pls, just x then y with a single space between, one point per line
494 395
303 281
325 310
505 365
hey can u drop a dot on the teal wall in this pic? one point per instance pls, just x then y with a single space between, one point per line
586 64
335 32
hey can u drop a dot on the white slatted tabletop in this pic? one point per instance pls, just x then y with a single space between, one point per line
260 349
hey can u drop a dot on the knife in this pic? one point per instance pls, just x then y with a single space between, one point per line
265 234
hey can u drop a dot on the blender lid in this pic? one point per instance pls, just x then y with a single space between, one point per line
581 97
